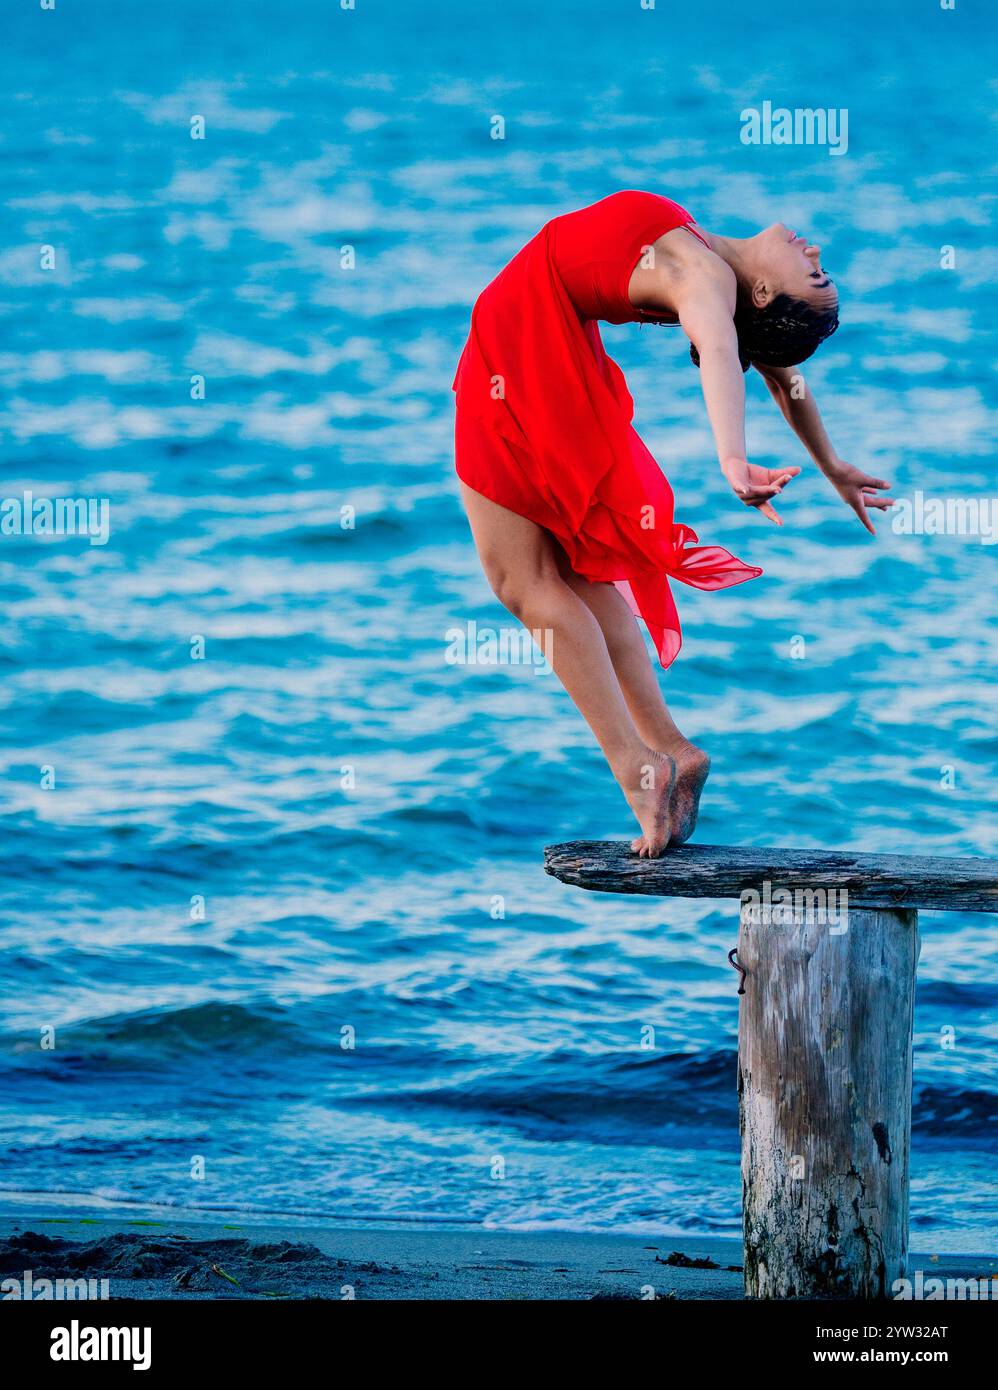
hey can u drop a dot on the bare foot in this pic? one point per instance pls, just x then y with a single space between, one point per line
648 783
692 768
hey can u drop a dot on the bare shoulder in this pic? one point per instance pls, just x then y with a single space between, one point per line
691 258
680 268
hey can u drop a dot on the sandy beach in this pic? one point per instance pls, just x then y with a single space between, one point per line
205 1260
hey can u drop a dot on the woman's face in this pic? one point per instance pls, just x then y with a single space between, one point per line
793 265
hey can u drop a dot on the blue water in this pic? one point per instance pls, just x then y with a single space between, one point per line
500 1072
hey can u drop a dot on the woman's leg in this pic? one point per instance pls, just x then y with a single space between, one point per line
639 684
521 564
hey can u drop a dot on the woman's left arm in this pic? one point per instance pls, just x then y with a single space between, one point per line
800 410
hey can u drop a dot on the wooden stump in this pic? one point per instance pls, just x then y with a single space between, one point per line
824 1066
824 1085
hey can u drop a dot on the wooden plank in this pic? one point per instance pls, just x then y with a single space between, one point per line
824 1087
727 871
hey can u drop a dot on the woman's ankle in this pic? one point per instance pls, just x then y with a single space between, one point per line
673 743
637 767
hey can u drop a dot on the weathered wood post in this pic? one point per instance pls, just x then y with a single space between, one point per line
824 1090
827 949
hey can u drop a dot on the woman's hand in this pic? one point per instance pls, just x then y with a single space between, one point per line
756 486
858 490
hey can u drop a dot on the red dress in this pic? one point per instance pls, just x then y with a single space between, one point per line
544 415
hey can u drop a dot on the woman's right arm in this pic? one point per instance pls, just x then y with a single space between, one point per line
706 307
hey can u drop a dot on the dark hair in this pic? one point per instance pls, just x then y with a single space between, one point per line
787 331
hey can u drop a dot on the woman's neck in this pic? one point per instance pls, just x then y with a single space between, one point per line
737 252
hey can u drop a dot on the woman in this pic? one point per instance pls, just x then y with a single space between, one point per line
572 517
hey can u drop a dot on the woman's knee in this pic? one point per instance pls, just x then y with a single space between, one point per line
525 591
